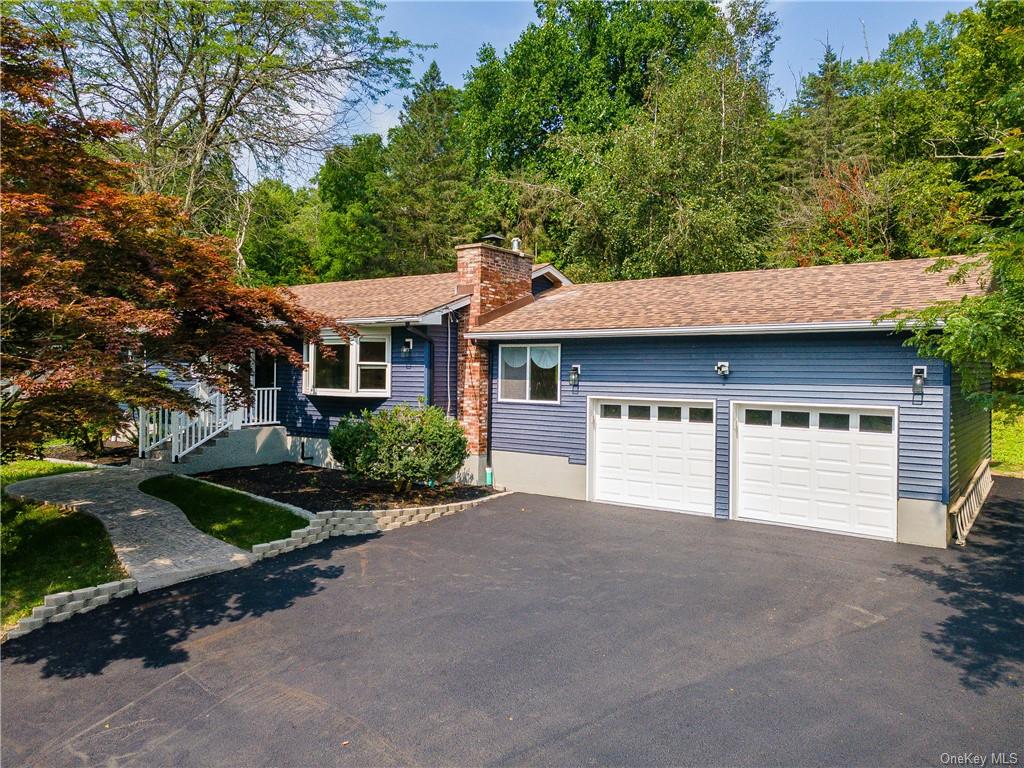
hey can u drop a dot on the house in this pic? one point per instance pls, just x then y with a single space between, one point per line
772 396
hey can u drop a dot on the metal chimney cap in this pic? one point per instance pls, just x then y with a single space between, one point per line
517 245
493 238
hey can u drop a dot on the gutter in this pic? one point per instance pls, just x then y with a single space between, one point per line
706 330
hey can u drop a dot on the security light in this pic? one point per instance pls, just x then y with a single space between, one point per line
920 374
722 367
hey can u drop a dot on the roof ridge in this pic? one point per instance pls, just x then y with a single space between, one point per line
769 270
369 279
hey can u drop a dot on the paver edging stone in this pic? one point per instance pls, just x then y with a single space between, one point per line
359 522
60 606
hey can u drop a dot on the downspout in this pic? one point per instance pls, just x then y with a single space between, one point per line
428 362
490 410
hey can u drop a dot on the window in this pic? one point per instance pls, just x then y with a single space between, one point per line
702 415
836 421
331 372
799 419
529 372
360 367
757 417
372 365
611 411
640 412
870 423
670 413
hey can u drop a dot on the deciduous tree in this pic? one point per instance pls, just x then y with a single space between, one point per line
101 284
217 90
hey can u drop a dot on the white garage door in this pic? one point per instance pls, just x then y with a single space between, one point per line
822 467
654 454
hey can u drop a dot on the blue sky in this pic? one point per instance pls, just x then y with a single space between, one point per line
458 29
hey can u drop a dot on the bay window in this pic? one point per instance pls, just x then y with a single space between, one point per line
359 367
529 372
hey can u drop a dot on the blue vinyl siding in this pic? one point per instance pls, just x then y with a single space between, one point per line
970 439
445 338
848 369
314 415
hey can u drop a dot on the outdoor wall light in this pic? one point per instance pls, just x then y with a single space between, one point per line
920 373
722 368
574 375
407 345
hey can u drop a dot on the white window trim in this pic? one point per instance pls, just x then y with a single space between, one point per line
558 387
309 375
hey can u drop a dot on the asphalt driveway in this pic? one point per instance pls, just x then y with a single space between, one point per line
540 631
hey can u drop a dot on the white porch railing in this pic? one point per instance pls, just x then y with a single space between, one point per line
966 509
264 407
155 427
181 433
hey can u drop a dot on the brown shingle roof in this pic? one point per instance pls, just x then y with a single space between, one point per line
383 297
802 295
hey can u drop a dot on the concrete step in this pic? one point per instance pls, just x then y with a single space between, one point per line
163 454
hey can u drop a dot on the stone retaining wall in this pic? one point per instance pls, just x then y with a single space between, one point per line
356 522
63 605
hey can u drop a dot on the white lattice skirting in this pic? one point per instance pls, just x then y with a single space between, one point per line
966 509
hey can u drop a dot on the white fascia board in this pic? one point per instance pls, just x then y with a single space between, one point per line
710 330
551 269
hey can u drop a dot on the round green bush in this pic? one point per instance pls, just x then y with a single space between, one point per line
402 445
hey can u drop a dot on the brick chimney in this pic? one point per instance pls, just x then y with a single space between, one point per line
494 277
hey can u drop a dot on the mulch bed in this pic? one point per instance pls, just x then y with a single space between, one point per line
114 453
319 489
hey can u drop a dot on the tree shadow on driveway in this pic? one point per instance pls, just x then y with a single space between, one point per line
983 586
153 626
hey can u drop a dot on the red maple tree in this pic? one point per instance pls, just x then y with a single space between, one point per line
103 286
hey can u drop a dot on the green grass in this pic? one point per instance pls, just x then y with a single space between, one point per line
230 516
1007 444
45 549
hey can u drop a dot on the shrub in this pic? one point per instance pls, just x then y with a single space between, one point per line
402 445
349 441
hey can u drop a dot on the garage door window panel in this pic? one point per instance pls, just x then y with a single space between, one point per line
611 411
640 412
838 422
701 415
758 418
796 419
670 413
875 423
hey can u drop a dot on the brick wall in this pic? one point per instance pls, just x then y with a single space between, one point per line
496 277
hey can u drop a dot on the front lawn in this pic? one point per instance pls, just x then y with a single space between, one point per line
45 549
1007 444
320 489
230 516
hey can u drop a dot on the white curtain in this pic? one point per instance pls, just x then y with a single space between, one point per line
544 357
513 357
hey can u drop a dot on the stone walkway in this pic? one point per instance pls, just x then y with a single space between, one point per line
153 539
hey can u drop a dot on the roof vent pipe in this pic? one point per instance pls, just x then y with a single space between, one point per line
517 245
